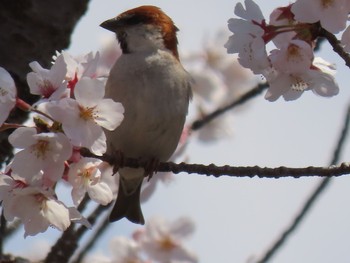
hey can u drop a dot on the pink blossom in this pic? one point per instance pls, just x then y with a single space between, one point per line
247 39
86 176
48 83
283 17
162 240
8 94
34 205
293 57
45 152
125 250
83 118
291 86
332 14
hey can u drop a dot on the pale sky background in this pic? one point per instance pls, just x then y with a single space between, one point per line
238 219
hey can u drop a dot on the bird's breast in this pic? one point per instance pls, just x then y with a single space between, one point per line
154 91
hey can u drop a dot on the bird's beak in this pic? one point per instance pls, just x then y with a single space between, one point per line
110 24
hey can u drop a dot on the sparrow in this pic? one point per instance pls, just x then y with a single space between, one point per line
155 90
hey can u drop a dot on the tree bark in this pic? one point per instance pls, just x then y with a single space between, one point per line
32 30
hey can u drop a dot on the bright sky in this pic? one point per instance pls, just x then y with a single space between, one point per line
238 219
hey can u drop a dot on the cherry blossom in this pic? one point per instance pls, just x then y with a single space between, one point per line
99 257
74 67
247 39
48 83
8 94
319 79
251 12
283 18
293 57
332 14
218 79
83 118
86 176
34 205
90 65
45 152
162 240
124 250
207 85
109 53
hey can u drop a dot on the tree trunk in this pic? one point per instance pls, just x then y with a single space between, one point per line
32 30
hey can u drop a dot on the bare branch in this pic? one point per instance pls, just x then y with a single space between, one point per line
65 247
335 43
242 99
313 197
84 249
2 232
226 170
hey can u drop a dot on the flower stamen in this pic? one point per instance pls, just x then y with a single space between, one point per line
87 113
41 148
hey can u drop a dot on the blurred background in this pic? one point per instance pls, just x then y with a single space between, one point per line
238 219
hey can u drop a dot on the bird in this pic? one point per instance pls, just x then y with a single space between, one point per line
155 90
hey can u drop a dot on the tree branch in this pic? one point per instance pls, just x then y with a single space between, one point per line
2 232
335 43
313 197
32 30
67 244
84 249
226 170
196 125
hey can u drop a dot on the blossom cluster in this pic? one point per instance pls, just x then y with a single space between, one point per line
291 68
71 114
218 80
160 241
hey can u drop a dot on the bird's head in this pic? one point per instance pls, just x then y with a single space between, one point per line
144 28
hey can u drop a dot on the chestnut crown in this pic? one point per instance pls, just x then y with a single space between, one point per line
152 20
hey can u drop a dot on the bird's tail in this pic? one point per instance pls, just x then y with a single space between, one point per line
128 201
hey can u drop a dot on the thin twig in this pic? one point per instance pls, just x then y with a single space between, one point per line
335 43
81 207
65 247
101 228
226 170
313 197
56 251
242 99
2 232
93 218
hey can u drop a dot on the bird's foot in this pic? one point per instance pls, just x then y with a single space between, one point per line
151 167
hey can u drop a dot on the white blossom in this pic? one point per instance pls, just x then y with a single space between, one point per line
8 94
86 176
48 83
45 152
36 206
247 39
332 14
83 118
162 240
